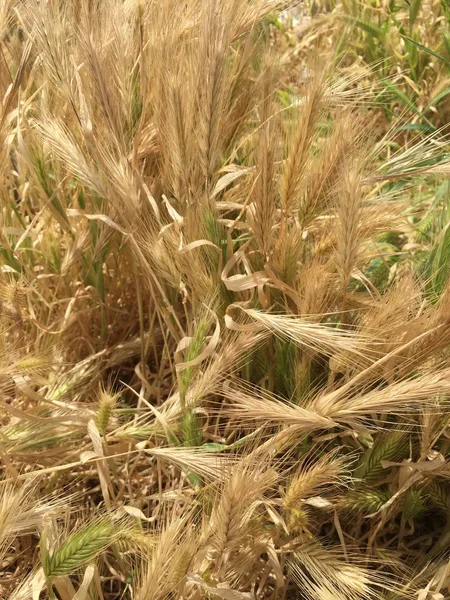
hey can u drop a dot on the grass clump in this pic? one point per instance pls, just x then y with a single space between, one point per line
224 289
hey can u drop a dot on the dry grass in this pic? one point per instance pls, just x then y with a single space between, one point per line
216 380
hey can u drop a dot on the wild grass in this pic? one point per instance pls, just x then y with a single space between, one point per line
405 44
224 305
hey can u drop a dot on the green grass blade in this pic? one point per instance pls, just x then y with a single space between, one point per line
427 50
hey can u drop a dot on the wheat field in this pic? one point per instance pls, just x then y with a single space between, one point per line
224 300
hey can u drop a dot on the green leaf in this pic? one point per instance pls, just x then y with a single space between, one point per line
370 28
413 59
412 127
425 49
437 99
414 8
446 38
439 263
408 102
214 447
285 97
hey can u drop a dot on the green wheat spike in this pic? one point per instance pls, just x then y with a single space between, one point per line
413 504
365 500
438 495
191 431
391 446
80 548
